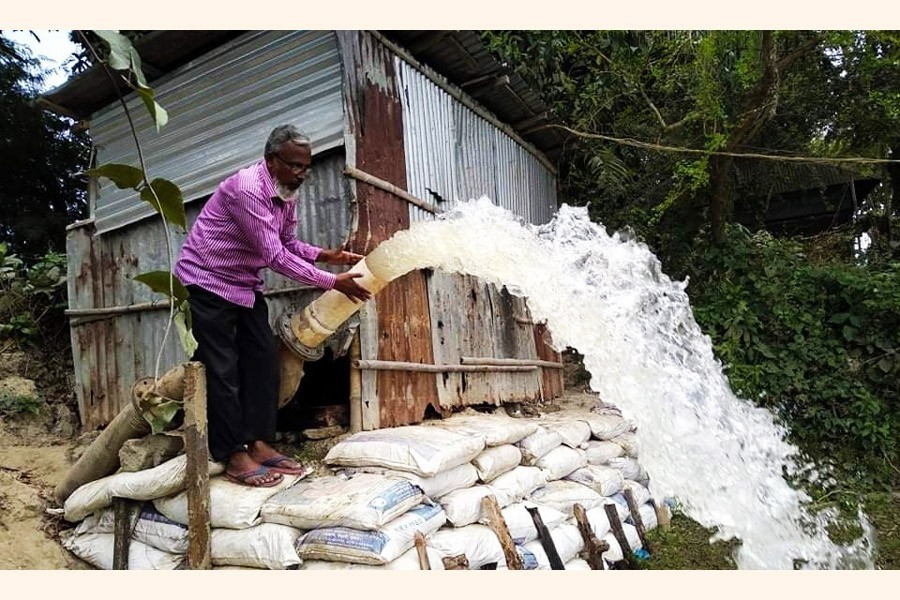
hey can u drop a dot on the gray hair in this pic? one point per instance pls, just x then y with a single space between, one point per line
281 135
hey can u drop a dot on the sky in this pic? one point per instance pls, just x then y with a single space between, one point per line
53 49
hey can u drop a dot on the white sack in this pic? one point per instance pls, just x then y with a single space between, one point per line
408 561
641 494
573 432
495 429
614 554
264 546
600 453
456 478
620 503
598 521
380 547
148 526
423 450
231 505
567 541
629 442
564 495
629 467
521 525
364 501
561 461
97 549
162 480
517 484
603 480
648 516
538 444
577 564
605 427
477 542
495 461
464 506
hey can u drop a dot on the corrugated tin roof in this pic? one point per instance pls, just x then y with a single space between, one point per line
458 55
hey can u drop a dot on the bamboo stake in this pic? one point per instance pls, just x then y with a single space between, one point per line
636 517
509 362
616 525
123 509
594 548
546 540
491 510
355 385
197 475
389 365
419 539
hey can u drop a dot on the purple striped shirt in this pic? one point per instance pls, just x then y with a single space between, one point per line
243 228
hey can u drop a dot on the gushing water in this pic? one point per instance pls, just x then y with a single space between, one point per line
722 458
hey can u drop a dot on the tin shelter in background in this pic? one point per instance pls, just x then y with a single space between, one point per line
403 124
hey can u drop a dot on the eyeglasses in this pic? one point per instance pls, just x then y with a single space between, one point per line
293 166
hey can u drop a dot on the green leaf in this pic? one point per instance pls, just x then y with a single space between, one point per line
157 112
119 49
158 281
171 202
183 324
886 364
124 176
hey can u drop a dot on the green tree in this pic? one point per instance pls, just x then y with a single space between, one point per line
42 159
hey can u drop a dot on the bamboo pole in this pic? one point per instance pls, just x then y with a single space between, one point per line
355 354
390 188
197 475
509 362
388 365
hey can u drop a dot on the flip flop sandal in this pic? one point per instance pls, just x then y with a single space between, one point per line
244 478
273 463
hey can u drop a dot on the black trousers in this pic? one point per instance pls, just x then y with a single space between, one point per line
237 347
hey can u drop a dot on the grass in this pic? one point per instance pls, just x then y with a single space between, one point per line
685 546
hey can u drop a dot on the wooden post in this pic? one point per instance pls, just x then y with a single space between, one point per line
546 540
662 514
456 563
593 547
491 510
197 475
636 517
424 564
356 408
616 525
123 508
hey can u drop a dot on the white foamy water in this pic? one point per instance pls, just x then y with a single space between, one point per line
605 295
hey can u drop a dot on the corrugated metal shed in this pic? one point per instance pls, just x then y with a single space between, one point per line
262 79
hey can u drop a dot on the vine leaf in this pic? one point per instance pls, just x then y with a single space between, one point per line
158 281
183 324
124 176
171 202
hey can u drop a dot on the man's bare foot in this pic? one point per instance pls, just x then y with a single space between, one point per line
243 469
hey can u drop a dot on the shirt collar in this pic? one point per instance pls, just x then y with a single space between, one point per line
266 179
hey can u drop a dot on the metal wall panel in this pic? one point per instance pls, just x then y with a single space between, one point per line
222 107
460 155
111 353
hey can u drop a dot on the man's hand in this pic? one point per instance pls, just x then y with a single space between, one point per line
339 257
350 288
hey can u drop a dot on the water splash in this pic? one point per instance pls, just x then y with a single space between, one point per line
605 295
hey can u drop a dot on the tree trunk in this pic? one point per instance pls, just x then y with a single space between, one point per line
718 207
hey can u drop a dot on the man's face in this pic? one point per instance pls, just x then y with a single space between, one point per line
289 166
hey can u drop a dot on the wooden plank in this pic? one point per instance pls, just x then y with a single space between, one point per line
636 517
422 552
197 475
546 540
370 417
491 510
593 548
616 525
124 509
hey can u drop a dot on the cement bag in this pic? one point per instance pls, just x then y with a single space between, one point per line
641 494
629 443
148 526
648 516
620 503
363 501
496 429
603 480
521 525
529 560
614 554
598 521
605 427
561 461
567 541
495 461
264 546
408 561
564 495
163 480
97 549
573 432
231 505
629 467
538 444
342 544
517 484
456 478
477 542
600 453
464 506
577 564
423 450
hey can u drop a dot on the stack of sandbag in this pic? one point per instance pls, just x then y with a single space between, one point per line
159 529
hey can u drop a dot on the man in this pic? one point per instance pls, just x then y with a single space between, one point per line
248 224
